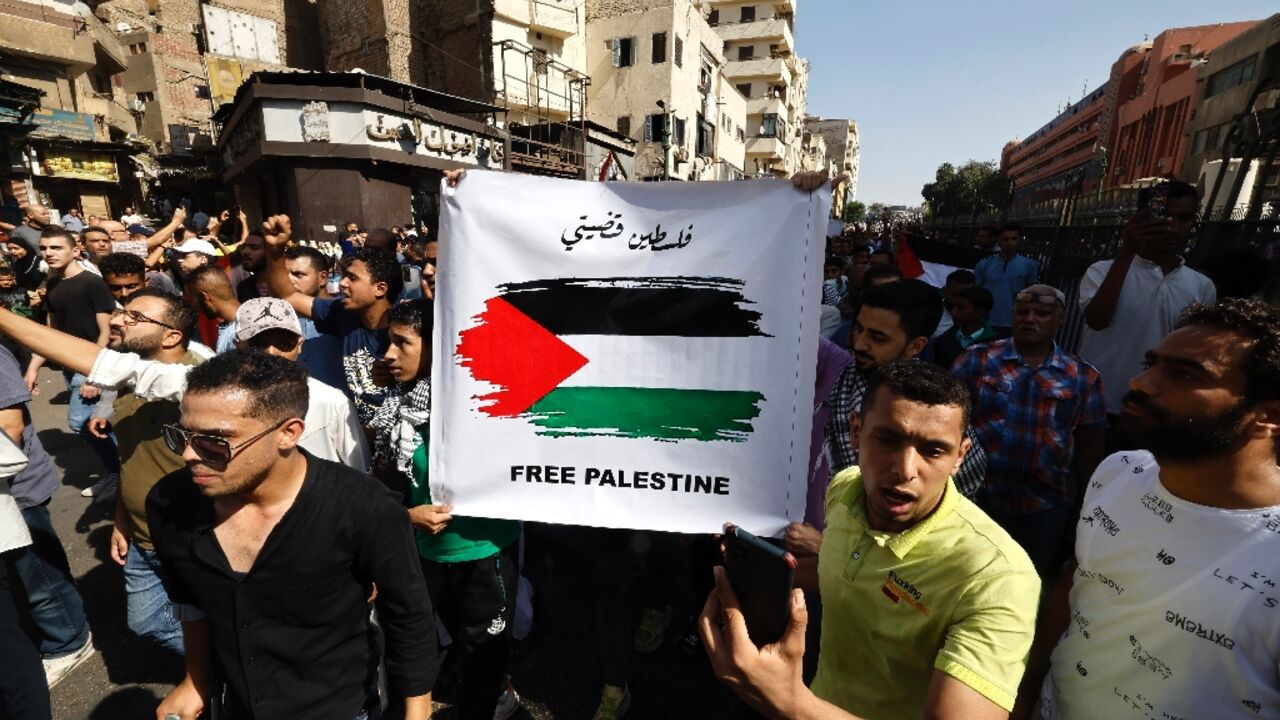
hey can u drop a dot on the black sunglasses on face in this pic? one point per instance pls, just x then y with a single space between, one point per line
212 449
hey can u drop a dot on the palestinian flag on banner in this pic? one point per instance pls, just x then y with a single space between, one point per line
933 261
588 357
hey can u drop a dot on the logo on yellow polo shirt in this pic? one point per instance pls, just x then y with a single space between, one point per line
898 589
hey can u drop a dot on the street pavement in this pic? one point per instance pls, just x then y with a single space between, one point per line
556 677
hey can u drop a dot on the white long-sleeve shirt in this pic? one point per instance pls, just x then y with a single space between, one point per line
331 431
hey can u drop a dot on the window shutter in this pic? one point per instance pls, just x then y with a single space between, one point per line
648 128
617 52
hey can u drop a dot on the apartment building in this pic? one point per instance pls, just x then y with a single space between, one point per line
65 125
658 77
840 141
762 63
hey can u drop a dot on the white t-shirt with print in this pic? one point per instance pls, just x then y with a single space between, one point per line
1175 607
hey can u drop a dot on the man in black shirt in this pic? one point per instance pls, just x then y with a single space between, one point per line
79 304
253 257
271 555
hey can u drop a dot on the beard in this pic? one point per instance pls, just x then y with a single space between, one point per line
1181 439
144 346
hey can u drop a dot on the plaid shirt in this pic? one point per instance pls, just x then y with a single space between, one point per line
1026 418
846 398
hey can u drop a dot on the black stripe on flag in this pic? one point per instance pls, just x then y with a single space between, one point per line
652 306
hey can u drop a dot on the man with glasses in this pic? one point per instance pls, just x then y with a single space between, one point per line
1037 411
157 327
1132 301
273 555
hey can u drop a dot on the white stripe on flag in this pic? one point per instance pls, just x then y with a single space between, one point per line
680 363
936 273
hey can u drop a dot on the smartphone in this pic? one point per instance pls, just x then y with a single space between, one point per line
762 576
1154 200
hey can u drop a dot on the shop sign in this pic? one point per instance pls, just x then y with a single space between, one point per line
63 124
79 165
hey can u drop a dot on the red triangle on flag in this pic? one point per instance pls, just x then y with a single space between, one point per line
524 360
908 263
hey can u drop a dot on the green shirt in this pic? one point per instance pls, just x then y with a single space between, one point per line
954 593
465 538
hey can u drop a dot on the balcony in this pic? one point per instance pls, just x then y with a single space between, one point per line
553 17
775 31
766 105
36 31
772 69
768 147
108 50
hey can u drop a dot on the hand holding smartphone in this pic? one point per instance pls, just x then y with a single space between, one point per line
762 576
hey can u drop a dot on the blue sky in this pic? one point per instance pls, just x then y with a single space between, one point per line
938 81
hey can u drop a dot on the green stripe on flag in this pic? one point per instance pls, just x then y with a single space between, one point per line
658 413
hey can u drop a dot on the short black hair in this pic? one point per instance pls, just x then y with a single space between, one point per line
918 304
382 267
833 261
94 228
177 313
961 277
861 248
919 382
881 272
977 296
418 314
1011 226
1257 321
992 229
211 279
277 388
381 239
319 261
882 251
1179 189
122 263
57 232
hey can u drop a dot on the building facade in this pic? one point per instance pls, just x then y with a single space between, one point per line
657 77
1229 88
762 63
1063 157
1147 137
840 138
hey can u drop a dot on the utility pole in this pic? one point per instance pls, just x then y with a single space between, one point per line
666 140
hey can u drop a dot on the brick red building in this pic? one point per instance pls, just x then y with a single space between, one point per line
1060 157
1156 96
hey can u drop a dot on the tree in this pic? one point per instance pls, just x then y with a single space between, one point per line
854 212
971 189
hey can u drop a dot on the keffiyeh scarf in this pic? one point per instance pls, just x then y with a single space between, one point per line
395 425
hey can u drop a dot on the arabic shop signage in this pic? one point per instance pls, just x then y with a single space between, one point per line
77 165
62 124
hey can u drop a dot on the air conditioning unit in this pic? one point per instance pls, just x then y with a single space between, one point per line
681 154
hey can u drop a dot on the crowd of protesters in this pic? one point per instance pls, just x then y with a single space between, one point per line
995 526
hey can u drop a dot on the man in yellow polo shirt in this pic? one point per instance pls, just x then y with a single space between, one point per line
928 605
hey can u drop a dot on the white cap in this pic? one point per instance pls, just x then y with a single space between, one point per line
197 245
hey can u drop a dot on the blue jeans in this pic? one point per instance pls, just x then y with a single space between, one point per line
52 598
79 411
148 610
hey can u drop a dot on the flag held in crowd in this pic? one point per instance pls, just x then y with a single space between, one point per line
647 378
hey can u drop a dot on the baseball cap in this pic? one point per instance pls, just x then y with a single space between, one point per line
197 245
261 314
139 229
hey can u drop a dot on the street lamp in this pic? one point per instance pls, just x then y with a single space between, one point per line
666 139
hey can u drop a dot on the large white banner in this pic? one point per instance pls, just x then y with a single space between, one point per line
629 355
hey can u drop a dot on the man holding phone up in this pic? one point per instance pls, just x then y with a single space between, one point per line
1132 301
929 606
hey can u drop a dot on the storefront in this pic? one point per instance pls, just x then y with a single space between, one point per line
328 148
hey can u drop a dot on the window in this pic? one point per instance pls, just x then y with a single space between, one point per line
679 52
137 48
745 89
713 18
624 125
624 52
1233 76
679 133
146 97
748 14
706 131
746 52
660 48
770 126
655 126
705 73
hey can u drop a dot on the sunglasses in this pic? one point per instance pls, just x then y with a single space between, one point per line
212 449
1045 298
